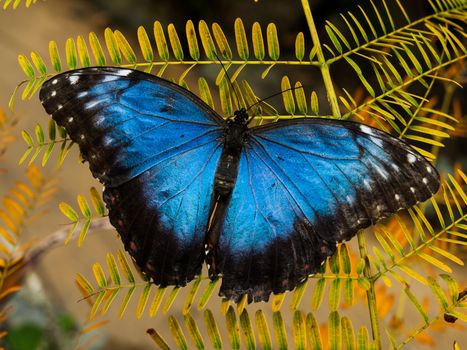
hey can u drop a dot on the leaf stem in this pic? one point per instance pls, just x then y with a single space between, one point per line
401 86
323 64
370 293
428 324
447 100
419 248
384 40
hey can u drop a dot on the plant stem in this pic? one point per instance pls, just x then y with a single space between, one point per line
419 248
428 324
323 64
370 293
404 84
447 100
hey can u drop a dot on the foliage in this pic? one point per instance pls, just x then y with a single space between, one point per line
15 3
400 68
7 124
21 206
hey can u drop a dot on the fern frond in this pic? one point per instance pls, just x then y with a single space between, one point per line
19 208
7 4
452 303
46 145
239 329
396 257
87 216
411 116
370 40
7 124
121 280
19 205
118 49
108 285
411 54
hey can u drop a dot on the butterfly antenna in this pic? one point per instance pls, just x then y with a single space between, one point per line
228 78
271 96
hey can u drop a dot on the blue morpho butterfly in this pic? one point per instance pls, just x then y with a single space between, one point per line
262 206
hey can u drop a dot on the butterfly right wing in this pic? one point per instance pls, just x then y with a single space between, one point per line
303 186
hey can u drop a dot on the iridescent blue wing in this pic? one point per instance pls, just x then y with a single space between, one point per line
155 147
304 185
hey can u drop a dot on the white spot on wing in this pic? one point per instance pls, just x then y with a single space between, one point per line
109 78
91 104
53 93
425 180
366 129
397 197
428 168
377 141
381 171
70 119
73 79
59 107
107 140
55 81
81 94
367 183
395 167
125 72
411 158
412 189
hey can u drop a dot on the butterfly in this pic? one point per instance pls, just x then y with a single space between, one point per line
263 206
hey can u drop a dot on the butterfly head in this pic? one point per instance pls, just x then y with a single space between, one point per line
241 116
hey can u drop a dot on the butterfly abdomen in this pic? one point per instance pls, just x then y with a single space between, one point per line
227 168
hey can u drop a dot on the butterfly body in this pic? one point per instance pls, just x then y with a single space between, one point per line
262 206
235 135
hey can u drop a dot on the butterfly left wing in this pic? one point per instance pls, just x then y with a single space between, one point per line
302 186
155 146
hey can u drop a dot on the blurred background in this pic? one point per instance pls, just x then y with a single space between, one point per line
51 298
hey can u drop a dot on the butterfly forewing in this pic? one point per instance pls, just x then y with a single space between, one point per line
126 121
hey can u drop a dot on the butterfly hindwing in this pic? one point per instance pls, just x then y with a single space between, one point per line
155 147
162 214
304 185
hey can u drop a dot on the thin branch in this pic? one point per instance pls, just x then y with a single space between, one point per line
324 65
371 293
377 41
428 324
401 86
419 248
